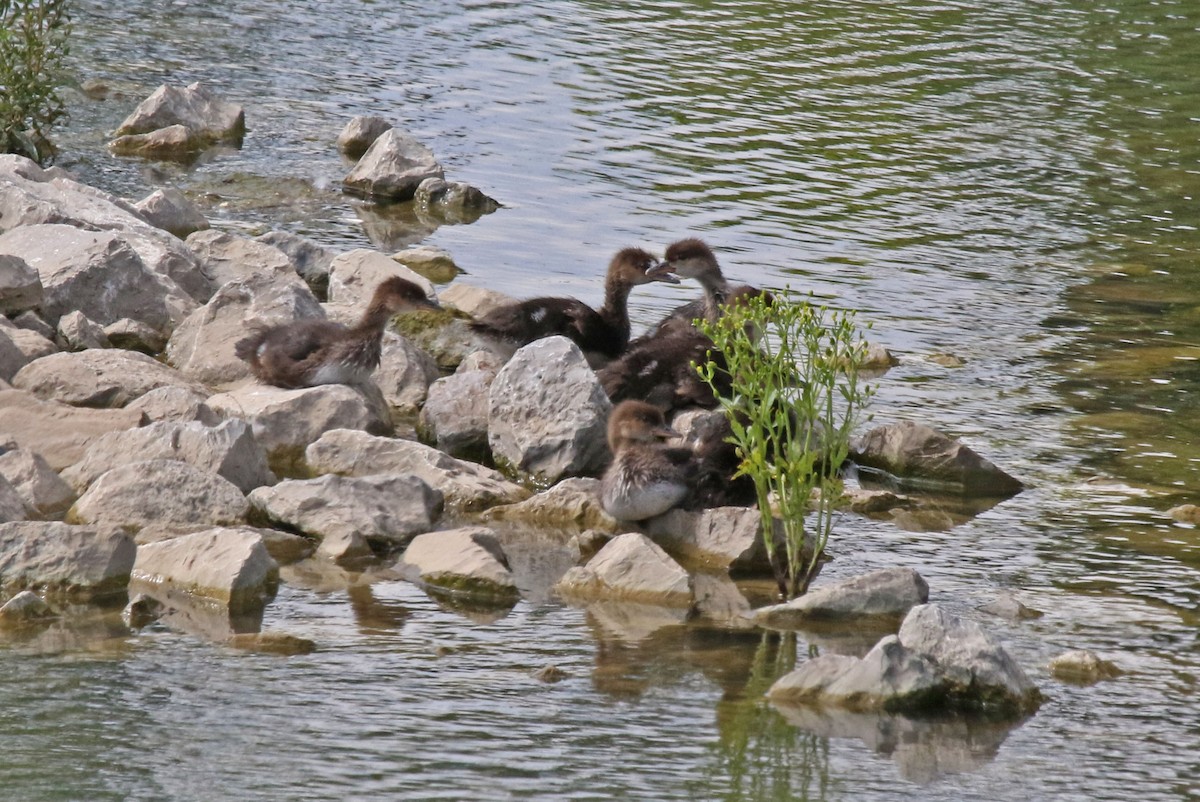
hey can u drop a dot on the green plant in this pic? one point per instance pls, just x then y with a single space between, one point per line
787 379
33 44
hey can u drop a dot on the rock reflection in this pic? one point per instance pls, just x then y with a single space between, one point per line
922 511
923 749
480 610
201 617
372 614
76 628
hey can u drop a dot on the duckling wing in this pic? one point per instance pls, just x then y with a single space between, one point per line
522 323
302 340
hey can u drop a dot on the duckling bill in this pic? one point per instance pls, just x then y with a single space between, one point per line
306 353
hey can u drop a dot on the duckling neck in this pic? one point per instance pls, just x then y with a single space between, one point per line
373 320
716 292
616 305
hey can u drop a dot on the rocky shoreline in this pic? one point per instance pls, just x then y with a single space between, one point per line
141 465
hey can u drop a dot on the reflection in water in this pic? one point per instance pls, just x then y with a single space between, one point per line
923 750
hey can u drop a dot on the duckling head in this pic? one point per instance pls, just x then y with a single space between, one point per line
635 266
396 294
692 258
637 422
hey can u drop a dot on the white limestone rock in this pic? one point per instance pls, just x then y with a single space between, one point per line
201 347
547 413
20 286
108 378
164 493
630 567
13 506
381 513
887 593
726 538
360 133
404 374
230 566
465 486
286 422
56 558
101 274
354 275
229 257
392 168
172 211
78 332
466 561
175 404
195 107
227 449
59 432
43 490
454 415
571 505
937 663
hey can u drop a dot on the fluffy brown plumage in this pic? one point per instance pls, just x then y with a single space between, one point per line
659 367
305 353
602 334
646 477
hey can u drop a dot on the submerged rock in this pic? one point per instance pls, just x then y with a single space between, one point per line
24 608
1083 667
920 455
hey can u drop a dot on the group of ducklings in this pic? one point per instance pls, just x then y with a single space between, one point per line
646 378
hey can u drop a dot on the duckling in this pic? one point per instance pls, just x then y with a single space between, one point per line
692 258
305 353
659 367
602 334
646 477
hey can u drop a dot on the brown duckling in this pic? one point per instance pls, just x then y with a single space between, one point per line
659 367
692 258
646 477
602 334
305 353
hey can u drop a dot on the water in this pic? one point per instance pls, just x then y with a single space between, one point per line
1014 185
